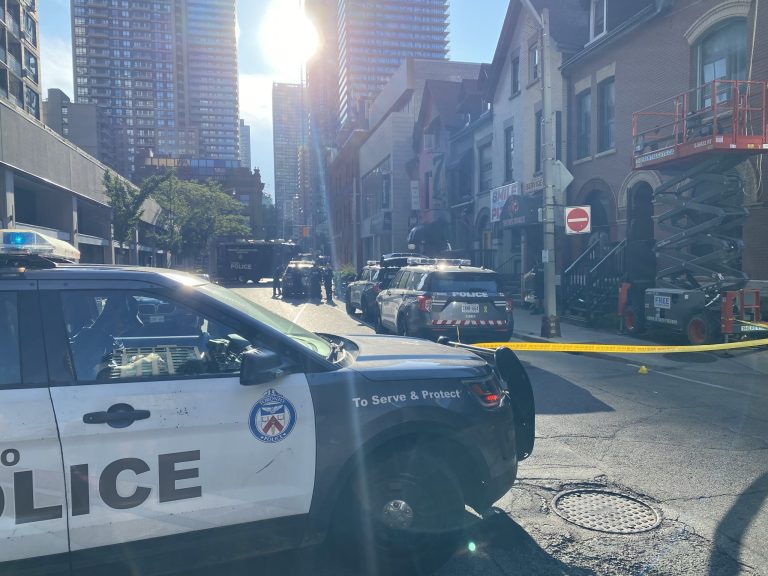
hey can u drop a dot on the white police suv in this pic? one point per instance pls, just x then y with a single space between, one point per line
152 422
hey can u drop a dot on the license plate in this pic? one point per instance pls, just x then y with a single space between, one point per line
470 308
156 319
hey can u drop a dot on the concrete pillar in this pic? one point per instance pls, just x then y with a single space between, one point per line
7 199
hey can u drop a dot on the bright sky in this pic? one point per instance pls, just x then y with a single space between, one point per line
263 58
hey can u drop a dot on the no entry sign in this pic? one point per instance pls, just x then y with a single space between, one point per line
578 219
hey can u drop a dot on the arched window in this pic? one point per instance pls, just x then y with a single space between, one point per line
722 55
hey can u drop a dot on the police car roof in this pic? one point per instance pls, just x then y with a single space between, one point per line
105 272
450 268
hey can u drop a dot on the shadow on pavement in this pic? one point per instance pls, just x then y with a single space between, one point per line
556 395
732 529
501 546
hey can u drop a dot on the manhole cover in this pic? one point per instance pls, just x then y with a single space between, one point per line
605 511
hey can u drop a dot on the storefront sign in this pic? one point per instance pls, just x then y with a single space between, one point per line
415 196
499 197
535 185
521 211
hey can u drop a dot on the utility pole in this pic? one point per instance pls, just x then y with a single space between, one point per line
550 323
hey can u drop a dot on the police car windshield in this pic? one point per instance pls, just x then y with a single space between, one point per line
304 337
464 282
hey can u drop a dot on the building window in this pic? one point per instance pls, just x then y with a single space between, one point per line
606 98
538 151
722 55
509 154
386 187
597 19
515 71
534 63
584 124
427 189
485 160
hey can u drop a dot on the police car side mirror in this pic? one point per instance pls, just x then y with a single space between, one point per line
259 366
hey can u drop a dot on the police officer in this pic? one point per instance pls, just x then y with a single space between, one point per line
276 289
315 278
328 282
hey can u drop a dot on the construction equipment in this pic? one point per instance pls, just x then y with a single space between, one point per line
684 274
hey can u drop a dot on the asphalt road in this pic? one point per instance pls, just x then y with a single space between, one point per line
690 438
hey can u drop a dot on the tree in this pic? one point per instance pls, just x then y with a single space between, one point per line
269 217
193 213
126 202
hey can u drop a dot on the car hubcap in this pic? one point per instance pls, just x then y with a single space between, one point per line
397 514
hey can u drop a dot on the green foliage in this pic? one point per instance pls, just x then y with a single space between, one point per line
126 201
193 213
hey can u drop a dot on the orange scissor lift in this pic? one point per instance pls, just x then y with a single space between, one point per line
697 139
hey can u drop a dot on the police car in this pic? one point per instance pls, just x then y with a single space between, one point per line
152 422
374 277
431 298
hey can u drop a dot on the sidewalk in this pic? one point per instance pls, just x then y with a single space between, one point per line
528 328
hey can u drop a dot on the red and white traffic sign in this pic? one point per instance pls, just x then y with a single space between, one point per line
578 219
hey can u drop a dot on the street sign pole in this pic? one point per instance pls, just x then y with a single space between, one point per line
550 323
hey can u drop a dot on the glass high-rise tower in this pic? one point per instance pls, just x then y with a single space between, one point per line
374 37
166 73
20 55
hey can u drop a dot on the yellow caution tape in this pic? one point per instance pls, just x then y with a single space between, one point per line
617 348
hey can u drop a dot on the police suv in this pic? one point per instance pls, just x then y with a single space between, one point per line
431 298
375 277
152 422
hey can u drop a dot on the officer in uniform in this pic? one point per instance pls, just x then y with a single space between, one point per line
328 282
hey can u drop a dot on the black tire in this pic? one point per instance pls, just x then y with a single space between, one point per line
378 327
701 329
401 515
634 323
369 311
350 308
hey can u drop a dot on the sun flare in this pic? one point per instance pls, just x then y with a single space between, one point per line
288 37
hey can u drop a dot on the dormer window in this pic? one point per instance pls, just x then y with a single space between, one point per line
597 19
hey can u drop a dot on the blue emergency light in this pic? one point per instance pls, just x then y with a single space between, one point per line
18 238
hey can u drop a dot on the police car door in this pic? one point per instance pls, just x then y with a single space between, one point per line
169 467
33 525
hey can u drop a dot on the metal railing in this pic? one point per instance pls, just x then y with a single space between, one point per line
590 285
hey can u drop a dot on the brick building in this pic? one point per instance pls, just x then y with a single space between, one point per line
639 53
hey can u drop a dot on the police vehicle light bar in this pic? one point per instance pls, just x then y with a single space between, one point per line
440 261
15 242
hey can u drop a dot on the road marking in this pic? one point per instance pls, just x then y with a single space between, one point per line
301 310
702 383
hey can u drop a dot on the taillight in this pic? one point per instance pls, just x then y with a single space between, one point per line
376 288
425 303
486 390
510 306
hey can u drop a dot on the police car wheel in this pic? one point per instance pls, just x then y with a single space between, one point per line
368 312
378 327
405 515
